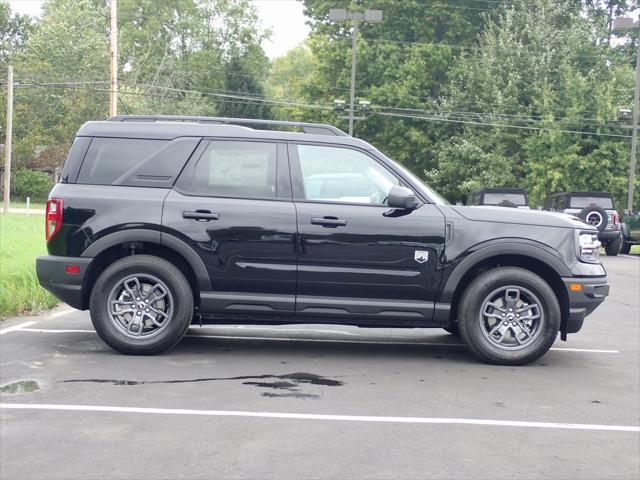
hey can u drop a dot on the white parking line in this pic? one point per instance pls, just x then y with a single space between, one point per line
15 328
630 256
309 416
319 340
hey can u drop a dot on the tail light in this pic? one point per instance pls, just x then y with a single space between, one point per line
53 217
616 218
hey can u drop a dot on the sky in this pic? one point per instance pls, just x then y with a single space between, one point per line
283 17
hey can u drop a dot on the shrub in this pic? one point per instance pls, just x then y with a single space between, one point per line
31 183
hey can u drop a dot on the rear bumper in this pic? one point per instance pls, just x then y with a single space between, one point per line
585 295
608 235
53 276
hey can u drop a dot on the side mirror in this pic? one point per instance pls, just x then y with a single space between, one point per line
401 197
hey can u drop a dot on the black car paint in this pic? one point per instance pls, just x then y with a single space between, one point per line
263 260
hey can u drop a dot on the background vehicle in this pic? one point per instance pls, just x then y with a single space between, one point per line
630 230
504 197
156 224
595 208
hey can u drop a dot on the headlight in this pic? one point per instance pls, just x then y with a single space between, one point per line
589 247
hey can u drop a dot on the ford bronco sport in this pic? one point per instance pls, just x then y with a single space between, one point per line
161 222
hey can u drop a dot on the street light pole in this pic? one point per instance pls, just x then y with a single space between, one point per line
369 16
634 135
113 91
619 25
354 40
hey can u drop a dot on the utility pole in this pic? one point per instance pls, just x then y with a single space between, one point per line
7 141
113 92
369 16
626 24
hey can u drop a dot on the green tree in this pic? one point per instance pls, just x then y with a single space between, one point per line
403 63
14 32
543 74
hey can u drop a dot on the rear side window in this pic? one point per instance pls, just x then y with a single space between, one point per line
496 198
108 159
236 169
581 202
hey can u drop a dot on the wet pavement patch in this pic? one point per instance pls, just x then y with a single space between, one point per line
22 386
288 384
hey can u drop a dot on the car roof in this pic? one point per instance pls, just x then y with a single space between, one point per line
168 130
581 194
502 190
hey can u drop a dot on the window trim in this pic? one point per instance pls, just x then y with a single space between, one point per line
184 186
297 182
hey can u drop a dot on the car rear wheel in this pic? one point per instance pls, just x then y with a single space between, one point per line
613 247
141 305
625 248
509 316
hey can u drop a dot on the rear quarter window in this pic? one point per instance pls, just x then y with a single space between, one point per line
107 159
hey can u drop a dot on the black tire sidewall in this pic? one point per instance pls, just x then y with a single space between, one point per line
175 281
584 213
613 247
471 303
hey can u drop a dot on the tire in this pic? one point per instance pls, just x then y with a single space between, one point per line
148 333
476 329
594 215
625 248
613 247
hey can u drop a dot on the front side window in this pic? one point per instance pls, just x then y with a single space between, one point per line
333 174
236 169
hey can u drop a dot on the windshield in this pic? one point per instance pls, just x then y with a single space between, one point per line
581 202
495 198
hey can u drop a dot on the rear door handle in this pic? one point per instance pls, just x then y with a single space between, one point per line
329 222
201 215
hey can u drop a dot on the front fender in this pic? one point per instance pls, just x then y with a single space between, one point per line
533 250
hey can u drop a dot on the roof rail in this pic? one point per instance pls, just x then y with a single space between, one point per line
315 128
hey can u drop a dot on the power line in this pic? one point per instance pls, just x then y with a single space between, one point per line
253 100
417 117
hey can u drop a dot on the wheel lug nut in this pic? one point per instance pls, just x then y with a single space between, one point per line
146 310
137 298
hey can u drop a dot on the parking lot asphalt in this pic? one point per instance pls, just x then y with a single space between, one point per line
318 401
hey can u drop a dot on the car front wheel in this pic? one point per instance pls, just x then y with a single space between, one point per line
141 305
509 316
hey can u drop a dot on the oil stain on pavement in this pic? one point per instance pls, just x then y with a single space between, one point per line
287 385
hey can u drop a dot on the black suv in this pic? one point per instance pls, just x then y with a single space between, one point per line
595 208
161 222
501 197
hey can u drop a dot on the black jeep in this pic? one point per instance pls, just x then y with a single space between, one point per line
595 208
161 222
501 197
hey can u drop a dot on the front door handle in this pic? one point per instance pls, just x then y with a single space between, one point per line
329 222
201 215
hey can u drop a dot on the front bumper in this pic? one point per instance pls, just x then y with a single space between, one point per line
53 276
585 294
